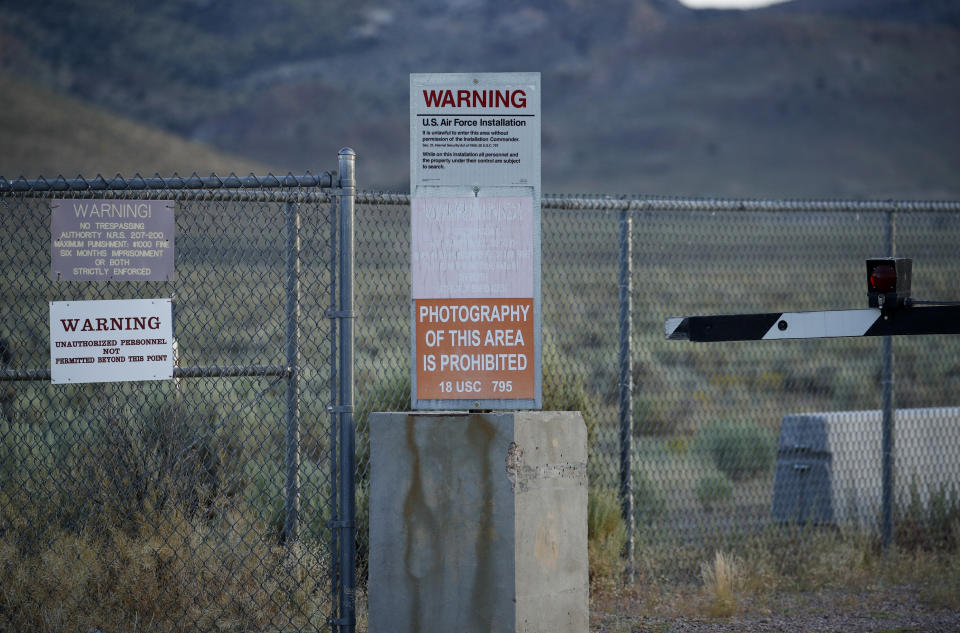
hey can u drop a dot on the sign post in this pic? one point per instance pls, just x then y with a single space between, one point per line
475 350
475 241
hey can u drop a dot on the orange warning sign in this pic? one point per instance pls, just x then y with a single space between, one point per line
474 348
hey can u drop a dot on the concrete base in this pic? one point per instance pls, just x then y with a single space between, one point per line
478 523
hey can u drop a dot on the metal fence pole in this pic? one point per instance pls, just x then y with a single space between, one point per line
347 460
334 418
6 393
886 383
292 256
625 380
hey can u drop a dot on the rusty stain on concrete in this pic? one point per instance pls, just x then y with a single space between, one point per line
481 433
420 556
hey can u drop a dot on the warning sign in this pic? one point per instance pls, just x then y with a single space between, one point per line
475 240
111 240
111 341
475 348
481 129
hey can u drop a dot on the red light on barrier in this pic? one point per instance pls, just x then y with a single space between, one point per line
888 282
883 278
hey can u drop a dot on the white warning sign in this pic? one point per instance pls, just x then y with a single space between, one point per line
475 241
111 341
475 129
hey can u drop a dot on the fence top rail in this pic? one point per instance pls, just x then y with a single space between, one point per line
324 180
642 203
260 188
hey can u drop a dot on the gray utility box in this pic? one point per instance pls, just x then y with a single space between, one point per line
829 464
478 523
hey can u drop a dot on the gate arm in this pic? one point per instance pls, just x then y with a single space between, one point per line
942 319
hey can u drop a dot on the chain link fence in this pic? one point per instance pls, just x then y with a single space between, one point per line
167 505
203 503
704 436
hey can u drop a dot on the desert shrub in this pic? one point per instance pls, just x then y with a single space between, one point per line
154 522
178 574
648 499
566 393
266 498
931 525
606 535
714 489
651 416
120 472
738 450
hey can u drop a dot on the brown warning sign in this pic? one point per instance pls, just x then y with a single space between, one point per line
474 348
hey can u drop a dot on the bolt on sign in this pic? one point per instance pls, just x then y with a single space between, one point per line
475 241
111 240
111 340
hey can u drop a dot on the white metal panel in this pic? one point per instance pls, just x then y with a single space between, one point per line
825 324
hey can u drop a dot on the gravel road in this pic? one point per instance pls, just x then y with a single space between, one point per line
887 610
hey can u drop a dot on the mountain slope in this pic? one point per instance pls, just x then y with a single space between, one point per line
942 12
47 135
852 98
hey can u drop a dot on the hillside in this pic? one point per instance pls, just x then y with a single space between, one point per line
49 135
925 12
808 98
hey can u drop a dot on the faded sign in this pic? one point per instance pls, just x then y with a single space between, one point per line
111 240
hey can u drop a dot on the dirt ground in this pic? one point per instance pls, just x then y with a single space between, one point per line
883 609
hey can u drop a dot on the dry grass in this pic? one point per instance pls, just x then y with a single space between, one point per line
606 534
175 574
757 576
723 581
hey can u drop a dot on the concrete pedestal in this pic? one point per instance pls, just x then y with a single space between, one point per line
478 523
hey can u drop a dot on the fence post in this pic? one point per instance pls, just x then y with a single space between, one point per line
886 383
625 379
6 392
292 257
347 524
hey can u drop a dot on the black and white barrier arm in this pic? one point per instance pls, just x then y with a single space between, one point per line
942 319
